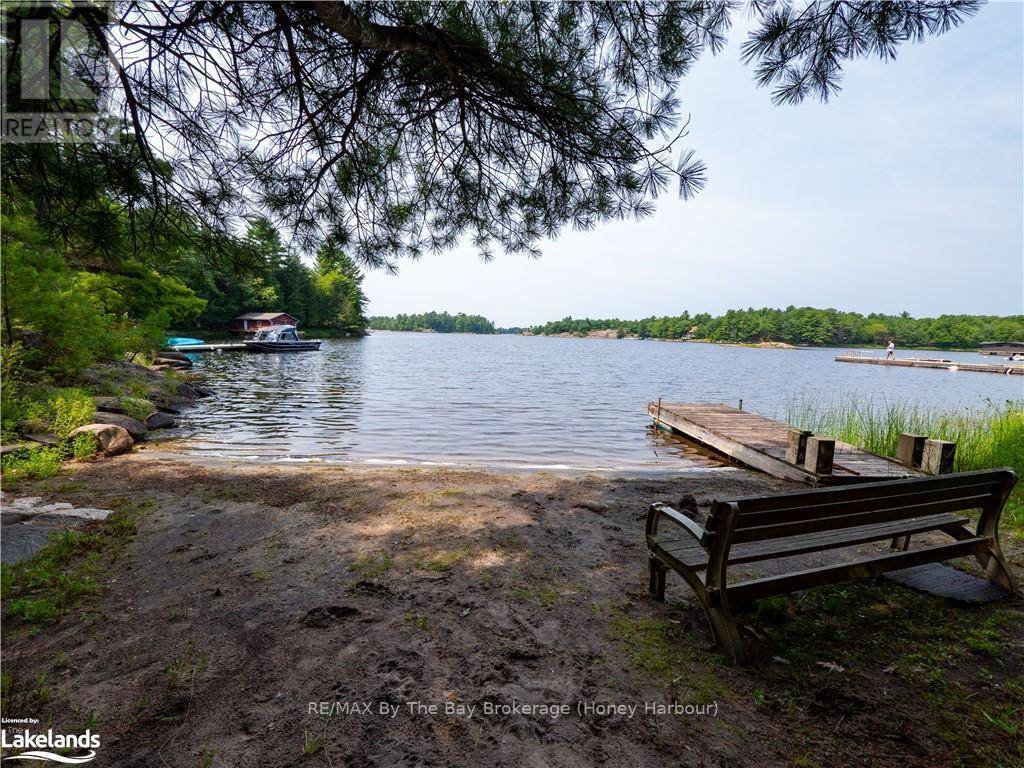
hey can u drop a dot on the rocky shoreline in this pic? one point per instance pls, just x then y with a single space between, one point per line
132 400
120 421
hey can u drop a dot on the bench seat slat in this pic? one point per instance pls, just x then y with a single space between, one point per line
692 555
901 512
862 569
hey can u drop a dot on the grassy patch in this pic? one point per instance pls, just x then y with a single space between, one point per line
960 663
43 588
443 560
20 692
417 620
540 594
670 655
183 671
370 566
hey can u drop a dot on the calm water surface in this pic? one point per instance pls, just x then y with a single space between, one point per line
524 401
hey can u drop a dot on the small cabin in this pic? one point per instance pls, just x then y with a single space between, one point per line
253 321
1002 348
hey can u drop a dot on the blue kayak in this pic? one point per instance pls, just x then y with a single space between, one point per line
175 341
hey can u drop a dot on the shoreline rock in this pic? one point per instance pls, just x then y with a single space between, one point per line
113 440
133 426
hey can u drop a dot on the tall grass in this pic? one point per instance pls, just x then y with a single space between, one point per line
985 437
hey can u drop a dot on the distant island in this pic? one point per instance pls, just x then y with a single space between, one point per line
436 322
798 326
804 326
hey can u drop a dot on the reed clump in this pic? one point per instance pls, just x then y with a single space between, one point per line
987 436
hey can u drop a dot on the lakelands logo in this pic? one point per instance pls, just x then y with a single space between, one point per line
40 746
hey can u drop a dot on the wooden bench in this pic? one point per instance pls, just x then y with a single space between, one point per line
771 527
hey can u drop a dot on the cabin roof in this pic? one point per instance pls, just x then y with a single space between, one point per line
263 316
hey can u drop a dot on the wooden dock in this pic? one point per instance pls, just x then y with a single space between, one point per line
761 443
944 365
236 346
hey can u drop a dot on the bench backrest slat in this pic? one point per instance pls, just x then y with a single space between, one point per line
886 515
827 509
869 490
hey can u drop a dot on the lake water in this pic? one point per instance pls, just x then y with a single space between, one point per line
522 401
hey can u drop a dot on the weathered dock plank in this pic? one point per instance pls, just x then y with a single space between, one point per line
944 365
761 443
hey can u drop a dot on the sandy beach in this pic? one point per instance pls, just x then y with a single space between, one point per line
254 615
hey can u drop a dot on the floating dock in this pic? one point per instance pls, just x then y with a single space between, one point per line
761 443
236 346
944 365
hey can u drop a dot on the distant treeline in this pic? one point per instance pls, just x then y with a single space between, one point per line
809 326
441 322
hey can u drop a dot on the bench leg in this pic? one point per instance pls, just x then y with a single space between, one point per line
992 562
726 633
900 542
997 571
658 574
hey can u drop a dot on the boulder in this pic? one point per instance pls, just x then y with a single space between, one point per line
126 405
108 404
190 392
113 439
134 427
161 421
171 354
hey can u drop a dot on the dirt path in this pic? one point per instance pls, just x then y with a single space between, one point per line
252 602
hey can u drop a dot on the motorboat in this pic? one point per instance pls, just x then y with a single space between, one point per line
280 338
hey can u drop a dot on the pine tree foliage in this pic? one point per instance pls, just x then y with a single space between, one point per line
396 128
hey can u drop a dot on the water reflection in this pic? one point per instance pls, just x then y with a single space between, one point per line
521 401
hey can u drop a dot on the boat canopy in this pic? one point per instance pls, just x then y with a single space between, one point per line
282 333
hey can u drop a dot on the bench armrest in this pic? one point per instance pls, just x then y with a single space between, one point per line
658 510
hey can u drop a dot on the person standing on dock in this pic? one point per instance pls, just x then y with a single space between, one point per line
890 351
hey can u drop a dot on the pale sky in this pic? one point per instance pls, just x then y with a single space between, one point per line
905 192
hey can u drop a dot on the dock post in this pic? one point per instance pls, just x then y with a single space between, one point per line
796 445
819 454
910 450
937 457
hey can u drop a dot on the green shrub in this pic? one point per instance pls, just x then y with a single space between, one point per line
59 409
83 445
31 464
